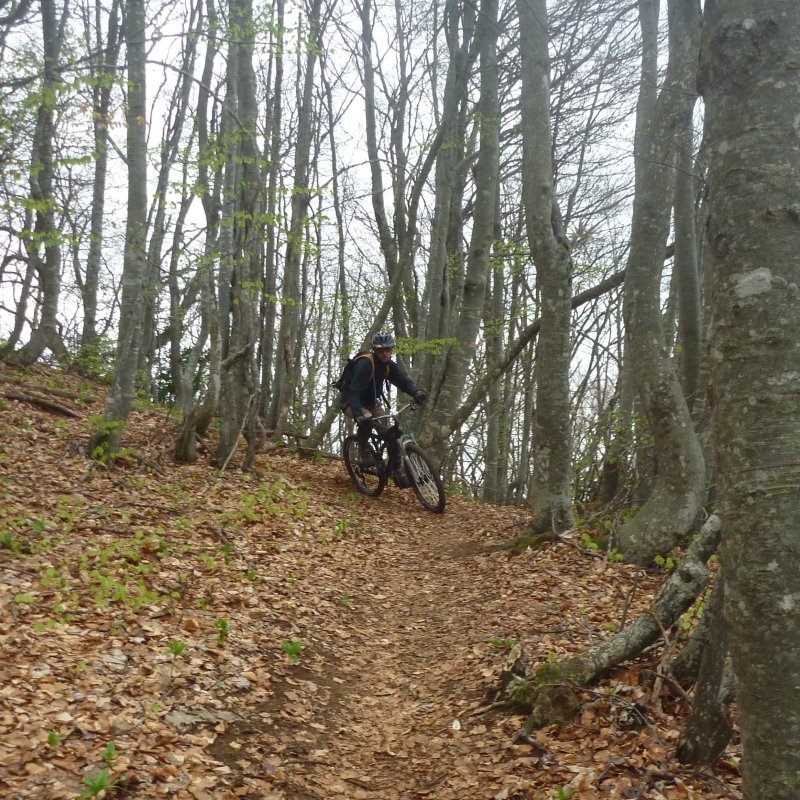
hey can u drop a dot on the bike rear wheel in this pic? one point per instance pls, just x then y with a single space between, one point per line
425 481
369 480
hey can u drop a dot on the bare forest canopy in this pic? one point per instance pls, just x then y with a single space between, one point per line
299 176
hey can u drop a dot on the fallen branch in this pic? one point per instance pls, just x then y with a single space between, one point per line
550 696
81 398
42 402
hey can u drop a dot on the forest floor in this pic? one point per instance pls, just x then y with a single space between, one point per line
172 631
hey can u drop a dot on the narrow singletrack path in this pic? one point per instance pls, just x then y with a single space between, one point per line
386 700
391 698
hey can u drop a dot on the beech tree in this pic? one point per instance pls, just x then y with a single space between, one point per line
198 416
751 87
106 438
287 366
678 490
42 239
456 359
103 62
551 494
239 384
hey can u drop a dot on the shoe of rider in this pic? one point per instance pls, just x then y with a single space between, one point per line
365 458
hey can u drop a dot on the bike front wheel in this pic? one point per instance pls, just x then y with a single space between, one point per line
369 479
425 481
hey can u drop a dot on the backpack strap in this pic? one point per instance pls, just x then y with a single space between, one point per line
371 362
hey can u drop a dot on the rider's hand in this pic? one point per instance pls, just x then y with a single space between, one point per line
420 397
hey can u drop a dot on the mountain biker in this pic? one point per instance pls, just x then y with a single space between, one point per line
360 398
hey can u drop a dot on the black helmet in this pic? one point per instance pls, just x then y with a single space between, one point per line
382 340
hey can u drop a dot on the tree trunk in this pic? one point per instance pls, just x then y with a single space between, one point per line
686 267
239 395
678 490
709 729
460 355
751 85
459 26
493 485
270 299
102 71
106 438
287 368
172 147
551 493
199 416
45 235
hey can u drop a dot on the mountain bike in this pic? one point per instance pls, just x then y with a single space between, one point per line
415 469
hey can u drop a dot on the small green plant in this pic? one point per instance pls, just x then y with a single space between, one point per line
223 628
105 429
589 543
502 644
176 647
95 360
563 793
109 753
208 562
53 739
342 525
292 648
345 599
693 614
96 784
10 542
665 563
615 555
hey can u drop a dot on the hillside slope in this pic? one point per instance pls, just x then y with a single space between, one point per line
172 632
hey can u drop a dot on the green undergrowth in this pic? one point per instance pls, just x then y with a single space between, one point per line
86 558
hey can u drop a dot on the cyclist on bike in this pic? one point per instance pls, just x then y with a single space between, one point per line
360 398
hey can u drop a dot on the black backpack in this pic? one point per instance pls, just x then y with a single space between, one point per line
344 379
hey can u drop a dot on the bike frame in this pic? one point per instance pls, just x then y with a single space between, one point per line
394 435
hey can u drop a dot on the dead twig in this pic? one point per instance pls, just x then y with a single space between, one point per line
42 402
488 708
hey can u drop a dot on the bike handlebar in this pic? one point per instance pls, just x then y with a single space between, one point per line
396 414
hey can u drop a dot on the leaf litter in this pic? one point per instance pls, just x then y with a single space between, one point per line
168 631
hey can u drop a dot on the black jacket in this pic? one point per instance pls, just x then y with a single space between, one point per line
367 386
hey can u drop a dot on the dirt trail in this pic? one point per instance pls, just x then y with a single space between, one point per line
275 636
385 704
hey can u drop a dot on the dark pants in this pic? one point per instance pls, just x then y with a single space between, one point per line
362 433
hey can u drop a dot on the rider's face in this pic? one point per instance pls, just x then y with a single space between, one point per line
384 354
